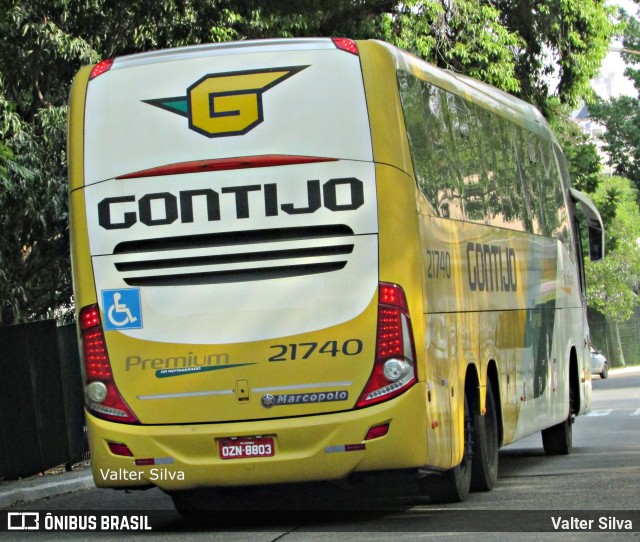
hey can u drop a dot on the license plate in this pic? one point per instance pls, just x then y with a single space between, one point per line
243 447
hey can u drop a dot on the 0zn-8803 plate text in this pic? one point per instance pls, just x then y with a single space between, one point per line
244 448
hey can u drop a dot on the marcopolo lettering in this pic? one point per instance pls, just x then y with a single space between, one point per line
491 268
161 208
304 398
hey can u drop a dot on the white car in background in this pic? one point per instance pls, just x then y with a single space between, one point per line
599 364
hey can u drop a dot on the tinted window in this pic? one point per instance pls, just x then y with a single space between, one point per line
474 165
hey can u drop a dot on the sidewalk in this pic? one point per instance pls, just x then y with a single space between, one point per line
34 488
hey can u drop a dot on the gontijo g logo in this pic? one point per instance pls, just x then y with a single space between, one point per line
226 104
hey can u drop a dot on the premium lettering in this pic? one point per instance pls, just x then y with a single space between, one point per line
176 362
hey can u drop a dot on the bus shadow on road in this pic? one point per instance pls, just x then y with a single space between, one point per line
515 461
355 501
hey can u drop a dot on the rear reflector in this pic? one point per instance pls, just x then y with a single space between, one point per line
377 431
118 448
224 164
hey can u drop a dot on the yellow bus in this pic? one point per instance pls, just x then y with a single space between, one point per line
298 260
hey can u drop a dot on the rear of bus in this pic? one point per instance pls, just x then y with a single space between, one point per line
245 268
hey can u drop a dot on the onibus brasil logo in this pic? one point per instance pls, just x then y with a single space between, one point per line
226 104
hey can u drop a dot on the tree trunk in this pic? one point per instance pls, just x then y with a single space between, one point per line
616 352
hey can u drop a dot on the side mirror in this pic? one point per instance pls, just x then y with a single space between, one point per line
595 225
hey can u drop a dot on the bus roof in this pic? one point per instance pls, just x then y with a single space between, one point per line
482 94
225 48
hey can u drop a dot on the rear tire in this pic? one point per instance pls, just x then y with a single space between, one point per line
484 472
558 440
208 504
454 484
605 371
184 502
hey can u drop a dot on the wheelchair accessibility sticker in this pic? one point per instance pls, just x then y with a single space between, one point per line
122 309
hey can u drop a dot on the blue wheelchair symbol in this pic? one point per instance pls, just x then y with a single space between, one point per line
122 309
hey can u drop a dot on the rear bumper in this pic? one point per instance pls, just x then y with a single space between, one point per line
306 448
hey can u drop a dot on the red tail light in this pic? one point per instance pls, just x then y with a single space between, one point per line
394 370
101 393
100 68
225 164
345 44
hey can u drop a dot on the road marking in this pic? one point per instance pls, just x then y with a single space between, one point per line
605 412
636 413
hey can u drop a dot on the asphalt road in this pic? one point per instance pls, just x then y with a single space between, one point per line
596 486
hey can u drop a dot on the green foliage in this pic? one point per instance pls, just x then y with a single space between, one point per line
612 284
620 195
631 42
509 43
581 154
34 274
621 116
465 36
608 289
568 38
34 268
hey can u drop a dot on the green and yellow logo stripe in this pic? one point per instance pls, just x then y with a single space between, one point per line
226 104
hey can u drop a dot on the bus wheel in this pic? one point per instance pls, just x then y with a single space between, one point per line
484 472
205 505
188 504
558 439
454 484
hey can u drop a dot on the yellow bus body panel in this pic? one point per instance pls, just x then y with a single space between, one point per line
462 324
84 289
174 376
306 448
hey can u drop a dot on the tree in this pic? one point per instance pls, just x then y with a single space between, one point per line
581 154
465 36
612 284
563 38
515 45
631 46
503 42
621 116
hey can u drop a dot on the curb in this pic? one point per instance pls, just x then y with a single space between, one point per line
622 370
33 489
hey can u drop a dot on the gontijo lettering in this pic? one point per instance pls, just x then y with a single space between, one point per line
491 268
162 208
